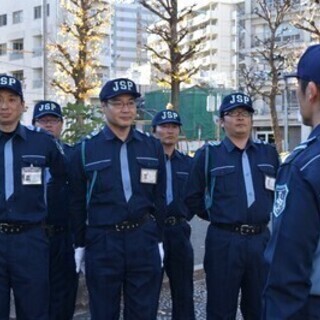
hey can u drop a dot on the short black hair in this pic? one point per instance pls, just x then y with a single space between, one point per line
304 84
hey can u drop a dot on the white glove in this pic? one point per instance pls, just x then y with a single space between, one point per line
161 252
79 259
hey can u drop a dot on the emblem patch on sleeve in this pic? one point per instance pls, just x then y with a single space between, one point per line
281 194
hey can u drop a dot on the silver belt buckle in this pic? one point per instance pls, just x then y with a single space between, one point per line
245 229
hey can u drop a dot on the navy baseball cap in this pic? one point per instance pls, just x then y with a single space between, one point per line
117 87
45 108
309 65
166 116
11 83
236 100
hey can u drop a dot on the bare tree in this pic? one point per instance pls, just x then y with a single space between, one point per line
270 56
308 18
76 50
172 30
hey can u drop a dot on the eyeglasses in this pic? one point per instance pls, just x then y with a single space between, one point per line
120 104
235 114
48 121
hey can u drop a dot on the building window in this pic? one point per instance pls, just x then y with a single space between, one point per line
3 49
18 74
17 49
3 20
37 12
17 16
17 45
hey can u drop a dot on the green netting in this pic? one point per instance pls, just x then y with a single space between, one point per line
198 123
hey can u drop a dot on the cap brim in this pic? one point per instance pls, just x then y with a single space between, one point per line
134 94
239 106
18 93
48 113
291 75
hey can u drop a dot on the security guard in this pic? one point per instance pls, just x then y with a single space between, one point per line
25 155
236 177
178 261
118 199
48 116
293 253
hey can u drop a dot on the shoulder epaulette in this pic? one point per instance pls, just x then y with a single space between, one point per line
214 143
33 128
259 141
92 134
299 148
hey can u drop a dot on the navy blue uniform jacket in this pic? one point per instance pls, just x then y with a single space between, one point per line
293 252
97 192
31 147
229 195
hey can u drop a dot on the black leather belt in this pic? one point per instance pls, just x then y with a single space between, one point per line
243 229
12 228
172 221
52 230
127 225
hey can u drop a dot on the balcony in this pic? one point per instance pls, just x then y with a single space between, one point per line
37 52
38 83
16 55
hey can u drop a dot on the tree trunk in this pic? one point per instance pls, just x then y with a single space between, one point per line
175 91
275 124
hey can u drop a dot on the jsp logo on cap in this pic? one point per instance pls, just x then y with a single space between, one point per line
169 115
166 116
47 106
123 85
118 87
5 80
239 98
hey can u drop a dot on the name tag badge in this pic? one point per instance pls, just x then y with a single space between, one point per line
270 183
148 176
31 175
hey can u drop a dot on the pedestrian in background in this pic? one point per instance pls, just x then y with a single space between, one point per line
237 178
118 199
25 156
293 253
178 259
63 277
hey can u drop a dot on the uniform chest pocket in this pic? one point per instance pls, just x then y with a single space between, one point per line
182 178
268 175
225 180
32 170
99 175
148 169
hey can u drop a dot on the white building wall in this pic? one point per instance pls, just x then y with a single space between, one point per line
127 36
30 59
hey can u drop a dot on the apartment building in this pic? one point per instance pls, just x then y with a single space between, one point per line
215 21
128 35
251 28
22 38
26 27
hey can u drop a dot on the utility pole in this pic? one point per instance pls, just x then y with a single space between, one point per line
44 46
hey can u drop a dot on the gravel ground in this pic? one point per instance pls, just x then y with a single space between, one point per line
164 312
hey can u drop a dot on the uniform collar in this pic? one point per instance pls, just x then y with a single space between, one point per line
230 145
175 154
315 132
20 131
109 135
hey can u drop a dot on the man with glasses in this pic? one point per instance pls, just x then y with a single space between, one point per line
118 200
48 116
293 253
236 176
